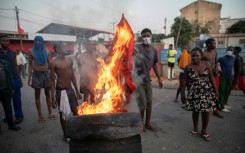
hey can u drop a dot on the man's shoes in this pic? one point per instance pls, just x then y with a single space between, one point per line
227 107
14 127
18 120
183 106
225 110
175 100
215 113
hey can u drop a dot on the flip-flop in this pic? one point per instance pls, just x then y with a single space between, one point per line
206 137
52 116
41 120
194 133
151 128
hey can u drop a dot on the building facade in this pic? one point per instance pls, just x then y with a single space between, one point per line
225 23
203 13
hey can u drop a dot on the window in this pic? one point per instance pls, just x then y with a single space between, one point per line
220 42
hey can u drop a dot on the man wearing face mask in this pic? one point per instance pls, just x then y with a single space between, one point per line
145 59
39 76
225 79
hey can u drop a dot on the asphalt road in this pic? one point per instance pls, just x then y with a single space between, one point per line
173 124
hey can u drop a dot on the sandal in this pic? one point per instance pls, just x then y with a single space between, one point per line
41 119
66 139
206 137
150 128
52 116
194 133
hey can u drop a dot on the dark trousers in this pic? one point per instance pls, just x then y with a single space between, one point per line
17 99
225 85
5 98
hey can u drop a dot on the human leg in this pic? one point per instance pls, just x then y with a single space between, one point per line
195 118
227 90
49 103
17 102
205 121
179 88
148 93
141 100
38 103
222 86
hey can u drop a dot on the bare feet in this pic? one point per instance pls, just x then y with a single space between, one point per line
149 127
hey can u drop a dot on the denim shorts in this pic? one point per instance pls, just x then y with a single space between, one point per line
40 79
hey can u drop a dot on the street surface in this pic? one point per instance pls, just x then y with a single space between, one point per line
173 124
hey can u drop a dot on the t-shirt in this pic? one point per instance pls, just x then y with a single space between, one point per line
172 53
226 64
144 61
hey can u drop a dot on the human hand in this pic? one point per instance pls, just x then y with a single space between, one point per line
183 98
79 96
54 103
21 83
160 83
218 69
29 81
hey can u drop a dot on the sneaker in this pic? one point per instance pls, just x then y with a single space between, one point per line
225 110
227 107
183 106
216 113
18 120
14 127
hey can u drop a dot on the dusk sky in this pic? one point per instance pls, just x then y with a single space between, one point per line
100 14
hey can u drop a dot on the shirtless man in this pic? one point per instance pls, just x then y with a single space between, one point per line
62 68
211 55
39 76
88 69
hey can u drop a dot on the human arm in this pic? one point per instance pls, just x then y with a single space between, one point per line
16 70
186 71
237 67
52 85
30 69
158 76
211 78
74 81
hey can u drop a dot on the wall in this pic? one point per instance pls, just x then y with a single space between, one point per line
201 12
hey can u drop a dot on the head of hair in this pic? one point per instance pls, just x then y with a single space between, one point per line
209 41
145 30
197 49
237 49
57 45
171 45
229 48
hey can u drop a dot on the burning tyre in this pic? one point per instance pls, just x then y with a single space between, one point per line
105 133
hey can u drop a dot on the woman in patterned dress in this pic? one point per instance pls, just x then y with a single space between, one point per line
202 92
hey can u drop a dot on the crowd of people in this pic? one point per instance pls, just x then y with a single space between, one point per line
207 78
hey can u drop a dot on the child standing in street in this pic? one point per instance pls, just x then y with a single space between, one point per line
202 91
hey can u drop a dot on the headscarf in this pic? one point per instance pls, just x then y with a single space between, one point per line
39 51
184 59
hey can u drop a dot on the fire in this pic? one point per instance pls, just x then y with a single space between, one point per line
109 89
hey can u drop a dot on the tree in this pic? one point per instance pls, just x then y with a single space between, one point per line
185 32
238 27
198 29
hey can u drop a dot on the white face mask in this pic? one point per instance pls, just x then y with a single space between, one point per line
229 53
147 40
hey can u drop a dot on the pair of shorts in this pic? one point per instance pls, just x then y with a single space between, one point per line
144 96
40 79
85 89
170 64
71 97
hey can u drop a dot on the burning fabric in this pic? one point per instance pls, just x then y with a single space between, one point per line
110 88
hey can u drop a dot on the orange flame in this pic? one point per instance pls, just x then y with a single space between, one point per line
109 88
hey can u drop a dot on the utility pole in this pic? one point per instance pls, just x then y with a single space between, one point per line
180 26
113 26
18 23
165 26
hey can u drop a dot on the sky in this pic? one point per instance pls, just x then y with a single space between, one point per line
102 14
